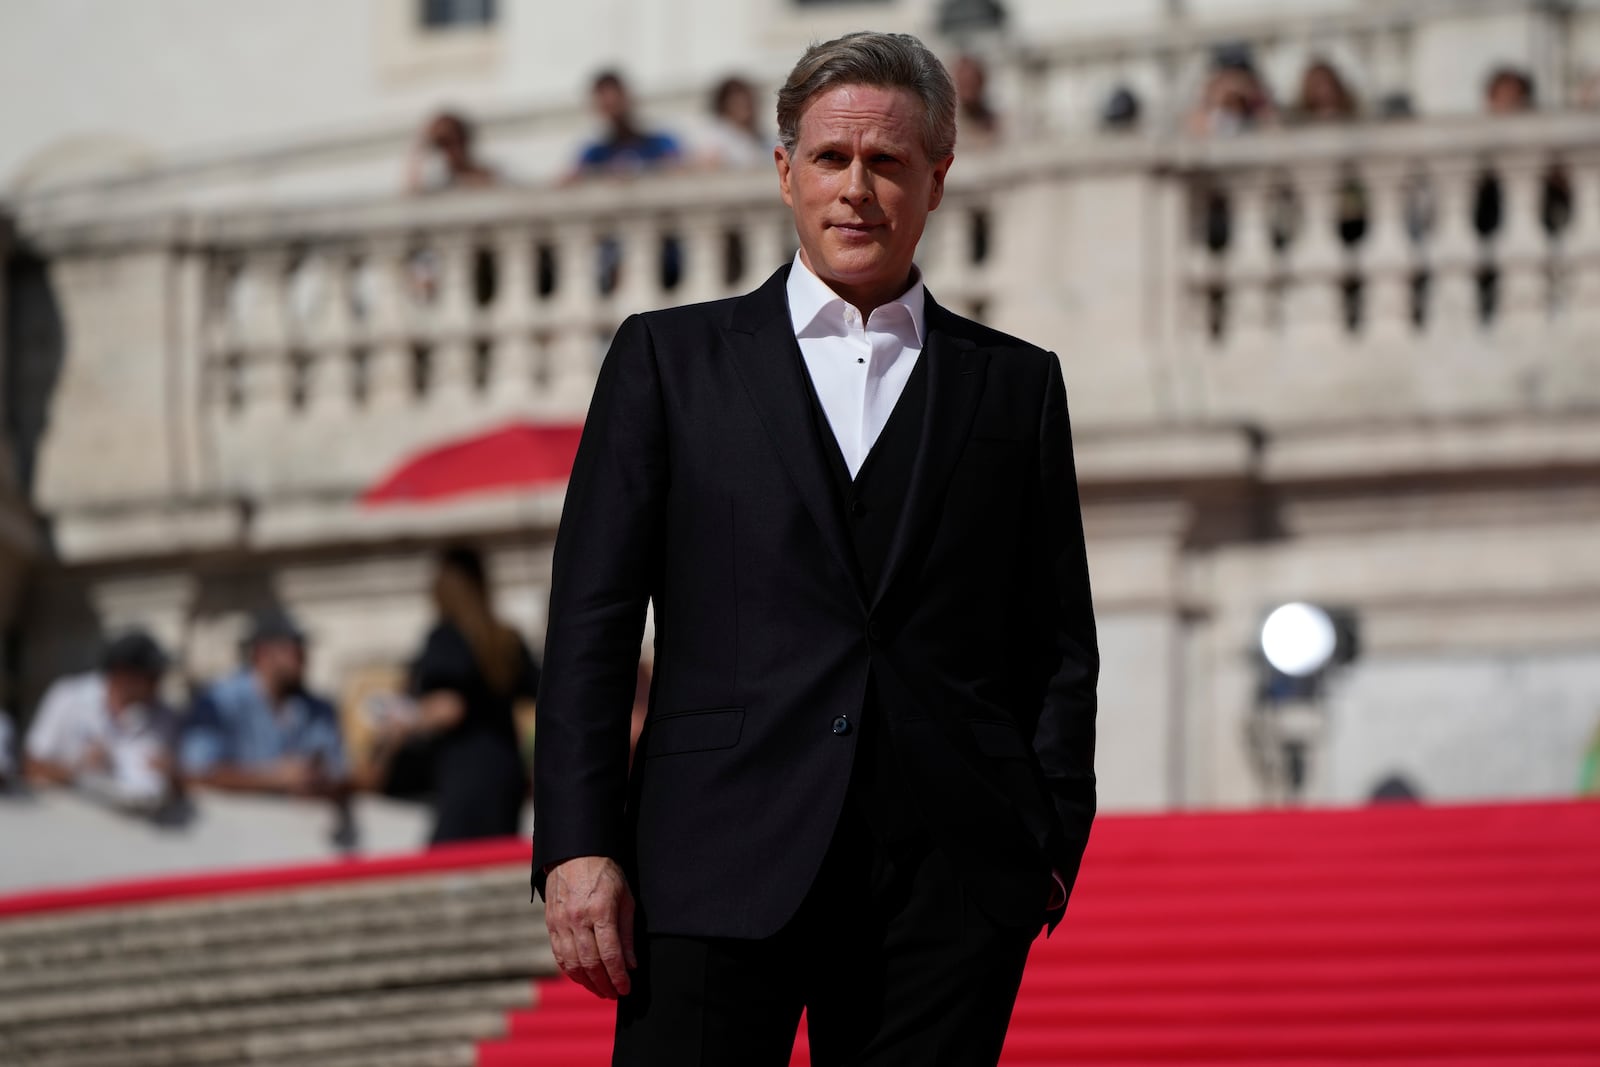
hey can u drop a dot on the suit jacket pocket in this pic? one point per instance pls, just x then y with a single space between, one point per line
998 739
701 730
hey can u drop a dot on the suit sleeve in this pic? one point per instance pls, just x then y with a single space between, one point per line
1064 739
607 564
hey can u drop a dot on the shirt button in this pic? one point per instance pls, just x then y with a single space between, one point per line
841 725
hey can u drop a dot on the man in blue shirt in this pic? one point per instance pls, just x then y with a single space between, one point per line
624 149
259 730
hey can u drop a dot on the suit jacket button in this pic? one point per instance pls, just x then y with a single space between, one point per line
874 631
857 508
841 725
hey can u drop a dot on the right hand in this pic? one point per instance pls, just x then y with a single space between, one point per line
589 912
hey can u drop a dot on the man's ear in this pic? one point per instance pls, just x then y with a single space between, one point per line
780 156
940 169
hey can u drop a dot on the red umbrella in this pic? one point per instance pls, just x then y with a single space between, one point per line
520 456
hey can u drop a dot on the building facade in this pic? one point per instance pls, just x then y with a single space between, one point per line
217 340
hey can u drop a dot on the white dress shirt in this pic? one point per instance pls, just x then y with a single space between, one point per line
859 369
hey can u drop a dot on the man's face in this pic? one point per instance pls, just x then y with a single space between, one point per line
860 186
127 689
611 101
282 661
1507 97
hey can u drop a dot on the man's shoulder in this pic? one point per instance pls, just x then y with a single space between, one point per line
73 694
982 335
691 316
234 694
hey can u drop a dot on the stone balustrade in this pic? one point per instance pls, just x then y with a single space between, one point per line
1321 274
1396 271
333 338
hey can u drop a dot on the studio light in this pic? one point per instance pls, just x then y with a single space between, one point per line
1299 639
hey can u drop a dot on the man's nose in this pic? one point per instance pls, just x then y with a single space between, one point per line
857 184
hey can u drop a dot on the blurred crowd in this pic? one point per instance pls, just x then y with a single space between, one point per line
452 737
1234 98
734 135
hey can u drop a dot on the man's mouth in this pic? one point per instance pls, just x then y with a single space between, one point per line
856 227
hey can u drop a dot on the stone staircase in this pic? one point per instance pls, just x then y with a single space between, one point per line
408 968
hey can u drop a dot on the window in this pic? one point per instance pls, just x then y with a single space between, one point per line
457 14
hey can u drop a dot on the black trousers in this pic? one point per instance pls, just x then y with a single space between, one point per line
891 962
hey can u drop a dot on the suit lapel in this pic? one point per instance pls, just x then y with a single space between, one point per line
768 362
956 373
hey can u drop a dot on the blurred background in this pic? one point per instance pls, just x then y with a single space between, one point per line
298 294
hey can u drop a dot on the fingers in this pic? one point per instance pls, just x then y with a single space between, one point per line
613 963
596 967
563 945
590 917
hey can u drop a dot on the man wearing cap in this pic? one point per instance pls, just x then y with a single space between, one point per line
260 730
106 731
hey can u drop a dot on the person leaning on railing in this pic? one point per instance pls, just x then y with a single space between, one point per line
106 732
261 730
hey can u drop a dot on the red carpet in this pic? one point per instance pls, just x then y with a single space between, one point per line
1385 937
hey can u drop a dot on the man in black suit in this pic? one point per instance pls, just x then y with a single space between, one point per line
866 777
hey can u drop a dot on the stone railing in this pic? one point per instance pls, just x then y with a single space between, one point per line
1438 269
333 337
1329 274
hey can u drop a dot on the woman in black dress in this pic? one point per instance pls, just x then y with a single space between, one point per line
472 671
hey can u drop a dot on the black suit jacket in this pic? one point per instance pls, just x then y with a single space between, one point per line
701 484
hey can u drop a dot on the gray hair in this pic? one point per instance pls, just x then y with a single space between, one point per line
885 60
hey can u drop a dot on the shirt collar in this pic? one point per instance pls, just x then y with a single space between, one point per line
817 311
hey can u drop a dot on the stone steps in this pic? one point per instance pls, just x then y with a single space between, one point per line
405 971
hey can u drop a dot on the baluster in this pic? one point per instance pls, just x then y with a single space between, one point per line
1249 268
700 250
1581 249
388 325
512 371
263 319
452 325
325 333
572 360
1314 315
639 287
1453 254
1521 251
265 333
1388 262
1579 324
949 242
764 235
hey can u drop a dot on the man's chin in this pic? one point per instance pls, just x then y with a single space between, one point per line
856 267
